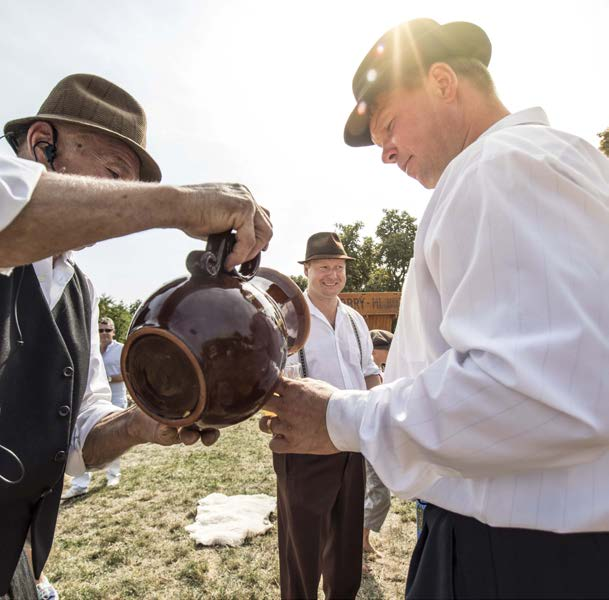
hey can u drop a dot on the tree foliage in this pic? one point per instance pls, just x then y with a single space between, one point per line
604 144
120 312
381 262
300 281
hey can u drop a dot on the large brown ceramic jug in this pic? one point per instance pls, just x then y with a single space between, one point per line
207 350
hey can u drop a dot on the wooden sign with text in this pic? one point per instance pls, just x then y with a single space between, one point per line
380 309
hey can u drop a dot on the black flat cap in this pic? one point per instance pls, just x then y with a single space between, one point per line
419 42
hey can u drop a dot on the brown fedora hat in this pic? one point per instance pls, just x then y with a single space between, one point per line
97 104
325 244
402 51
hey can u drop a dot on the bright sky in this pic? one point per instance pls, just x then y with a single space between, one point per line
258 92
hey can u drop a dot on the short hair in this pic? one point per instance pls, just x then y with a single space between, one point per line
16 138
465 66
106 321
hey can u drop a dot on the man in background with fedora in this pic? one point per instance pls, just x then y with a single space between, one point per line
320 499
495 411
82 174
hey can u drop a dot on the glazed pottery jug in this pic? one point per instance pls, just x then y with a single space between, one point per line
207 350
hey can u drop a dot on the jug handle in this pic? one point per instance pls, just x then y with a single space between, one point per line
210 262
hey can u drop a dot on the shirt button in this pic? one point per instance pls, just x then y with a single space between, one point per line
68 372
60 456
64 410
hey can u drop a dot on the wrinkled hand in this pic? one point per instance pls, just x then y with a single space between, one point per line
218 207
154 432
300 424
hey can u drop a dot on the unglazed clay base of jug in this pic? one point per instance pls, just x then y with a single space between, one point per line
207 350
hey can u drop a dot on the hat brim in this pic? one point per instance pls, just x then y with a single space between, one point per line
472 41
149 170
321 256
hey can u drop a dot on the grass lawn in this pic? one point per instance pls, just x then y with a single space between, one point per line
129 541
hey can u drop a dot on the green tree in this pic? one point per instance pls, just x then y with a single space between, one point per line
362 250
119 312
300 280
604 145
396 233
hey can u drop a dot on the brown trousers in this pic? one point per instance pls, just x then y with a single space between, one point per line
320 506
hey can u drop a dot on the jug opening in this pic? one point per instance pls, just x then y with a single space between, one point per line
164 378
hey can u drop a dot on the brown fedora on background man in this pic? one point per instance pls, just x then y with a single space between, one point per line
404 52
98 104
325 244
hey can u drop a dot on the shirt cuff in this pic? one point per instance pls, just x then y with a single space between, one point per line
18 179
343 418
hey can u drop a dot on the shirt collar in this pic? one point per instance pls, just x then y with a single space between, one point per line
530 116
316 312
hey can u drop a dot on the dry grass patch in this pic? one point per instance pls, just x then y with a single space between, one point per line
129 541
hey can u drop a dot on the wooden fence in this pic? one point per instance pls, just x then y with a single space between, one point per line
380 309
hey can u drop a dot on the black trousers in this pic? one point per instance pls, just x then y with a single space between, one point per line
320 506
460 557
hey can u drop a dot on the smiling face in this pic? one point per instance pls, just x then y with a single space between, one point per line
419 129
327 277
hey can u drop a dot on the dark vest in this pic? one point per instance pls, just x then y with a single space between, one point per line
42 381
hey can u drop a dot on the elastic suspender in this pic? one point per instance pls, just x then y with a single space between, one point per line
303 358
359 342
303 362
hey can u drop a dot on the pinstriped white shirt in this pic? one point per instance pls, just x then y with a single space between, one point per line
497 401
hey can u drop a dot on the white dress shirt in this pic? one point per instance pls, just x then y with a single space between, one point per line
112 363
18 178
332 353
498 401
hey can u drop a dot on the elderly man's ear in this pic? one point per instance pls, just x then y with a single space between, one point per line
39 137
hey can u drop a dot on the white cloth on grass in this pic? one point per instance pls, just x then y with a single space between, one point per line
229 520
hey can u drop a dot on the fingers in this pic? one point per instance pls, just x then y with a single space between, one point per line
188 436
279 445
210 436
253 236
264 425
191 435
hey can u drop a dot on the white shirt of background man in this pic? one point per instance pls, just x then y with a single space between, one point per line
112 362
332 353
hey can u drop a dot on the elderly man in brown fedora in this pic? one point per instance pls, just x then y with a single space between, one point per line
495 411
320 499
82 174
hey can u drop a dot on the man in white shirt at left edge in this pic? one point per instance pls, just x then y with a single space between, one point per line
83 175
496 408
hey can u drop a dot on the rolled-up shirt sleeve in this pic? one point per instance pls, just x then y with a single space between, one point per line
18 178
96 402
519 262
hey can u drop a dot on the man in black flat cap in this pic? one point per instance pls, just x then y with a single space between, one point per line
495 408
320 499
82 174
